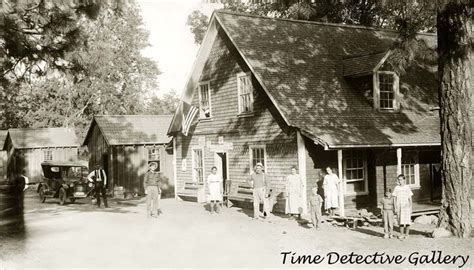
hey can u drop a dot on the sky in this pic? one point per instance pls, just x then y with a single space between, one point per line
172 44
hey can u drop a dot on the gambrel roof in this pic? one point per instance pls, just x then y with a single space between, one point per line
132 129
302 66
30 138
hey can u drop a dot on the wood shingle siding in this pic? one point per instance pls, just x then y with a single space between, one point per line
262 128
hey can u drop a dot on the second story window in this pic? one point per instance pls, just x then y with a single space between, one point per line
245 92
204 101
386 90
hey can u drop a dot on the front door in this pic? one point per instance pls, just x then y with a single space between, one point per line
220 161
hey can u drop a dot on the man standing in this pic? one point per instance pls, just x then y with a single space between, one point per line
100 178
152 185
260 186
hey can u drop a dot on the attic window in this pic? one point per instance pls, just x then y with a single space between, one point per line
386 91
245 92
204 100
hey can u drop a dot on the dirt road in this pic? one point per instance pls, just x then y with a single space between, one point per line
186 235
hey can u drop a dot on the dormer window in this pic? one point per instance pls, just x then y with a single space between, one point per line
386 91
204 100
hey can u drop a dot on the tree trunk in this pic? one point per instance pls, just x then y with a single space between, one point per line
454 41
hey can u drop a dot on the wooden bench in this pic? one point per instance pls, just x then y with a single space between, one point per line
190 188
243 193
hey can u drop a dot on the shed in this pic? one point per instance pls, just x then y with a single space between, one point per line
27 147
125 144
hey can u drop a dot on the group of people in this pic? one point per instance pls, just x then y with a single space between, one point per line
398 203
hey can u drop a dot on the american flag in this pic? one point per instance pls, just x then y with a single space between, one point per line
189 114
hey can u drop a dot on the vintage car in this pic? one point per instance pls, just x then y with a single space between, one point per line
63 180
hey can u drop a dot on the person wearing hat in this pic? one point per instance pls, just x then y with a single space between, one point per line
152 185
99 177
260 186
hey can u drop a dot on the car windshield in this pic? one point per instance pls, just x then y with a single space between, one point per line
74 172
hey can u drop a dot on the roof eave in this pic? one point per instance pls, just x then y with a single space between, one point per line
394 145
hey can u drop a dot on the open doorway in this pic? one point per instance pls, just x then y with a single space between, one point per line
220 161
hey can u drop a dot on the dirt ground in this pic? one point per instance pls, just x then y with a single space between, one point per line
187 235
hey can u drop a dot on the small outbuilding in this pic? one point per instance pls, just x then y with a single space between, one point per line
125 144
27 147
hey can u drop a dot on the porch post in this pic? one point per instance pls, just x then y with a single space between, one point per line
175 170
399 161
342 185
302 168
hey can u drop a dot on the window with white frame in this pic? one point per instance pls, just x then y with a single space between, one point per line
410 168
154 156
245 92
355 171
387 90
257 155
48 155
204 100
198 166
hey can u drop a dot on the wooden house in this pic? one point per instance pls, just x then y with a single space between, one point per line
126 144
3 156
28 147
285 92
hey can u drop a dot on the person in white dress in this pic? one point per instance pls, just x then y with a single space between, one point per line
215 190
294 194
331 185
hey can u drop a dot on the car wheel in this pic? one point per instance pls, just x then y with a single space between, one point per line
72 200
62 196
42 197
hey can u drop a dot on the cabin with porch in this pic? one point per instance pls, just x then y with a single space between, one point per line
27 147
125 144
309 94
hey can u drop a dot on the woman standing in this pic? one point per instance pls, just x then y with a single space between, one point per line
215 189
294 194
331 191
403 206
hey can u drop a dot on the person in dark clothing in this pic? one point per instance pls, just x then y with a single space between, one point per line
99 177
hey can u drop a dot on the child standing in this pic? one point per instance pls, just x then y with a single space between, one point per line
403 206
316 202
388 208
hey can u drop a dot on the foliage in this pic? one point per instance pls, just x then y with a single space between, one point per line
197 23
89 63
163 105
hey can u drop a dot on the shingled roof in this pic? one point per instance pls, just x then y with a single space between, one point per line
132 129
363 64
300 65
29 138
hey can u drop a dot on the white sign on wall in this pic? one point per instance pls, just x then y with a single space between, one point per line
183 165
